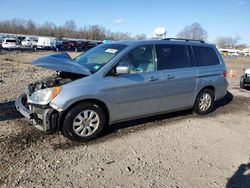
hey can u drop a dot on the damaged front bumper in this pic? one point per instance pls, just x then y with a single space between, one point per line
43 118
244 81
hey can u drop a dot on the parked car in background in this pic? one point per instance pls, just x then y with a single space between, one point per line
74 44
1 41
245 80
247 54
29 42
9 43
120 81
20 39
91 44
45 43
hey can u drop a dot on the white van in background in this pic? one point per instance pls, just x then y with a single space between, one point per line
29 41
9 43
46 43
247 54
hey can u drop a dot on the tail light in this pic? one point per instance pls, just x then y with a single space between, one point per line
225 73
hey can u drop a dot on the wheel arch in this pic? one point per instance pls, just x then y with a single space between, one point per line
91 100
210 87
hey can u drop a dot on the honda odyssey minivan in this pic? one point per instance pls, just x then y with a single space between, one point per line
121 81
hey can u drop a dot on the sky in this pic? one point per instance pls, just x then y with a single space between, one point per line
227 18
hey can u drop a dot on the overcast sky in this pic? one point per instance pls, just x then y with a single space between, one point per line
218 17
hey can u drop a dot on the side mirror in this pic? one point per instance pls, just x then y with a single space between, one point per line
122 70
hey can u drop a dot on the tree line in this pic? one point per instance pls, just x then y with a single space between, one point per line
196 32
97 32
68 30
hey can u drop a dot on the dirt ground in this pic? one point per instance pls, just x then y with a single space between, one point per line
172 150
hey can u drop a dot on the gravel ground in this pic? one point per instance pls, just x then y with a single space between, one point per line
172 150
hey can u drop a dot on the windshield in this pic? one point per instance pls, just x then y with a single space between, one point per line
97 57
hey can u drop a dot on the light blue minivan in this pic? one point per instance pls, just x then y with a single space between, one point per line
121 81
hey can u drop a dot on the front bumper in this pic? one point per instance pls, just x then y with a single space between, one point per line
43 118
21 106
244 81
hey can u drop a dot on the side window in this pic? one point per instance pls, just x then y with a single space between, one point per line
205 56
172 56
139 60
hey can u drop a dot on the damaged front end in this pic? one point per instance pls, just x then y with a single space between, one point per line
245 80
43 118
36 104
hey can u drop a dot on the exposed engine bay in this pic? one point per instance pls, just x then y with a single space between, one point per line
57 79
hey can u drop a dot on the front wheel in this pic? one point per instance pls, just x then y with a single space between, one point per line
204 102
84 122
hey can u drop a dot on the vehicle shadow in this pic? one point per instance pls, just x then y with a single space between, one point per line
169 117
122 129
144 123
241 178
8 111
228 98
119 130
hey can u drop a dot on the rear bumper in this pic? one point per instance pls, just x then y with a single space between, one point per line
44 119
221 90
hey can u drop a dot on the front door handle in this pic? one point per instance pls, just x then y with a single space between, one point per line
153 79
170 77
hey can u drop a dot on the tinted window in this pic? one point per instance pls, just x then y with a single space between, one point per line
205 56
172 56
9 40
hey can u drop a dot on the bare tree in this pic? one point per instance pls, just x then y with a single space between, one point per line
47 29
69 29
227 42
70 25
141 36
31 27
96 32
241 46
194 31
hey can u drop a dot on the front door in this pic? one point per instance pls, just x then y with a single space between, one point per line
137 93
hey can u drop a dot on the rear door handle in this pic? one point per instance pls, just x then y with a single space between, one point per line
153 79
170 77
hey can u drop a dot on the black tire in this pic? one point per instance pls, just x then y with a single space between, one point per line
198 109
69 128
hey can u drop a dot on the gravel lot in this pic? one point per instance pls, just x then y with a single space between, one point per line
172 150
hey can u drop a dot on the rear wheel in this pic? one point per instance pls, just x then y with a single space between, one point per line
84 122
204 102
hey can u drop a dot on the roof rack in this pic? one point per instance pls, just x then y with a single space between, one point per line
186 40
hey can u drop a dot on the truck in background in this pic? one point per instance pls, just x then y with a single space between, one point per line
46 43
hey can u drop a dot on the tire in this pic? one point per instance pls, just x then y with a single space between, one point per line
204 103
84 122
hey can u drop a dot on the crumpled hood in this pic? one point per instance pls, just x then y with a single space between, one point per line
60 62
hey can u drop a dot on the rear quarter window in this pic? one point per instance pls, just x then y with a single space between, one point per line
205 56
